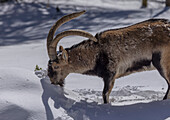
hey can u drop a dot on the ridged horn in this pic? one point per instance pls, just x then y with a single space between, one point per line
61 21
53 45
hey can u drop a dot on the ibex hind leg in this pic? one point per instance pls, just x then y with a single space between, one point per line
167 77
166 66
165 63
167 95
160 60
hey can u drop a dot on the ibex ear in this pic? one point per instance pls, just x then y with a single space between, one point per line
64 54
61 49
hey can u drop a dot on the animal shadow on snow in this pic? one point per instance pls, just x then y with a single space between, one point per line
84 110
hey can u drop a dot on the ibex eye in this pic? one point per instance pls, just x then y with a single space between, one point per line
56 67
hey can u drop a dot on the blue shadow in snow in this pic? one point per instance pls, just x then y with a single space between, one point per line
14 112
161 12
25 23
158 110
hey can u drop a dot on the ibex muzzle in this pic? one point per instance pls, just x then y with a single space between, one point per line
112 53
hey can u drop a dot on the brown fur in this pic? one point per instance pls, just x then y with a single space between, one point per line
120 52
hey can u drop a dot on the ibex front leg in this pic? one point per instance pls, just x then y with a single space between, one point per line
108 85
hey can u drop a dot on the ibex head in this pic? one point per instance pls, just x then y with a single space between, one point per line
59 66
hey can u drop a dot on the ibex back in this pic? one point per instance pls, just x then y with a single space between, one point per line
112 53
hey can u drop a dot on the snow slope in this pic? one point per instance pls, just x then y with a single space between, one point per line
25 95
29 97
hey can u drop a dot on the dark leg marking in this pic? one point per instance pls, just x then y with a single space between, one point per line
156 58
105 90
108 84
101 65
101 70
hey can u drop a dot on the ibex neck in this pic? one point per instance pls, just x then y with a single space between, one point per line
82 57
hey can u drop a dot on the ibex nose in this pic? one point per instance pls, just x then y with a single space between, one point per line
60 84
53 83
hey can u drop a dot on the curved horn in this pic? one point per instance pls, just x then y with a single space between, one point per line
52 47
61 21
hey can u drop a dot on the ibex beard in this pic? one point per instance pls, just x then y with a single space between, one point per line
112 53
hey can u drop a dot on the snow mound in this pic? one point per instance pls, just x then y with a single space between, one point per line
86 104
20 95
25 96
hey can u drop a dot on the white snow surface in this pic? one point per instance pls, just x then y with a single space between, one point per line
28 95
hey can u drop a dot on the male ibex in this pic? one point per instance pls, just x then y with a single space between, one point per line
112 53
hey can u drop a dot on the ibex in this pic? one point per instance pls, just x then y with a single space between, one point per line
112 53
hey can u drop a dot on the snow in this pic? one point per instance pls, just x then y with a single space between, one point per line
28 95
